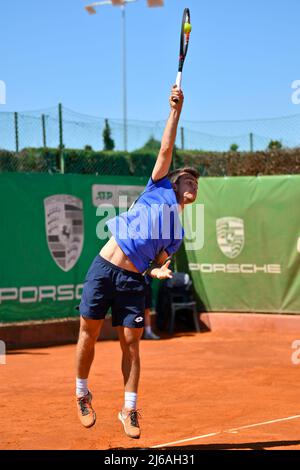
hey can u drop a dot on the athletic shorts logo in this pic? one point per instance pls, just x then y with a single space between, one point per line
138 319
64 229
230 236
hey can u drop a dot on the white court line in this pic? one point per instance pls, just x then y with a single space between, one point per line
264 422
229 430
186 440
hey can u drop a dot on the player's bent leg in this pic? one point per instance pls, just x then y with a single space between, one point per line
129 341
88 335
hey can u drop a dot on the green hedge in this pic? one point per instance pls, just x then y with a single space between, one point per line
271 162
29 160
141 162
90 162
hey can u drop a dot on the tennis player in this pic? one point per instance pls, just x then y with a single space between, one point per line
142 241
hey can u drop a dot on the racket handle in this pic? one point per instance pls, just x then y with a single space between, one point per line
178 84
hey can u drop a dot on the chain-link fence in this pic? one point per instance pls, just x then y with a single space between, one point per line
41 140
43 128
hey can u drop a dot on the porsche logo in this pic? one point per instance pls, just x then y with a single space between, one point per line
64 229
230 236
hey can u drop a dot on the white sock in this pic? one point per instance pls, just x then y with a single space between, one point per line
130 400
148 330
81 387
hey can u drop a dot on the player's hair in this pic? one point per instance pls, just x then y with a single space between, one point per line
176 174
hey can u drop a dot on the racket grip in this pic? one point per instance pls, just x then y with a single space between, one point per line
178 84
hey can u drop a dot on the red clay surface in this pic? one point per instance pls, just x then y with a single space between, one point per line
191 385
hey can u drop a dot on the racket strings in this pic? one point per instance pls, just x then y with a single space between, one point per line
185 44
186 35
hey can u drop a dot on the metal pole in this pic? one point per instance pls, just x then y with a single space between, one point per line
17 132
182 137
61 144
251 142
124 76
44 130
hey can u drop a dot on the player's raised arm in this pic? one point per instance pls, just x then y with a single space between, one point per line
164 159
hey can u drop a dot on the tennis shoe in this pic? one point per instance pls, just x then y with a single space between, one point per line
86 414
130 422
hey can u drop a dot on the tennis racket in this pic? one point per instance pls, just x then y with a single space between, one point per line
184 44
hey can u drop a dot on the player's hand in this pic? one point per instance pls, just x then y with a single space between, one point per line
162 273
179 98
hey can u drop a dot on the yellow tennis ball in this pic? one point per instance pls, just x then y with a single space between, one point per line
187 27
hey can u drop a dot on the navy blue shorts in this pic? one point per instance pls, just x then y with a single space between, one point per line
106 285
148 292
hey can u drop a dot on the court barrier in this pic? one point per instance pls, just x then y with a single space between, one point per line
48 239
55 332
248 263
250 258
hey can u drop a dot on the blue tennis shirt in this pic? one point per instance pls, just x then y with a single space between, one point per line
150 225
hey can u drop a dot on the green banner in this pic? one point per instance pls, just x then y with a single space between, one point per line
246 259
48 239
250 257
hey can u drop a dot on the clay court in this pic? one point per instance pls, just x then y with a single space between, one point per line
214 390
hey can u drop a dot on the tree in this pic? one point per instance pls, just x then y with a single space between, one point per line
274 144
108 142
151 144
234 147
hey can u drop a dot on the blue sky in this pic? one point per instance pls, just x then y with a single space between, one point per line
243 57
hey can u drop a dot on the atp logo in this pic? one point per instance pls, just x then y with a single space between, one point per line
230 236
